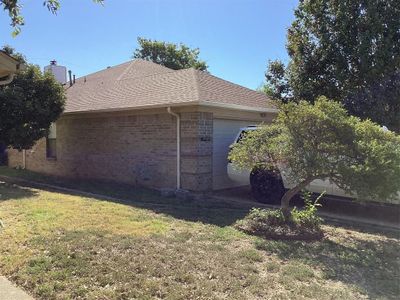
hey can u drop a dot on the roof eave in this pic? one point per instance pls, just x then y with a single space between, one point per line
238 107
165 105
141 107
8 64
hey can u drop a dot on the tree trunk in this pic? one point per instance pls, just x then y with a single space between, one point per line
285 201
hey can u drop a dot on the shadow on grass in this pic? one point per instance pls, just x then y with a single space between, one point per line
207 210
213 211
10 191
371 265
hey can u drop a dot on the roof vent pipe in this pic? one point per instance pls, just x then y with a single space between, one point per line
70 77
74 79
178 147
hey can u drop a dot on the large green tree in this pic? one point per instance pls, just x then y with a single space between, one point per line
169 55
13 7
277 86
322 141
28 105
348 50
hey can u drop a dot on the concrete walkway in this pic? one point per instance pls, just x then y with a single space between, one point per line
8 291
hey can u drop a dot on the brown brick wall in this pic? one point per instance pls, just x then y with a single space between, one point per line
138 149
196 151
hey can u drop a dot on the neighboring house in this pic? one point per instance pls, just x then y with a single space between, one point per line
130 122
9 66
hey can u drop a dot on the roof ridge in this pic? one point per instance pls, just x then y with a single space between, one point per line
125 71
236 84
130 62
154 74
152 62
196 82
105 69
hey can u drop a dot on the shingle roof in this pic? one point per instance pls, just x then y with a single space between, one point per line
140 84
8 64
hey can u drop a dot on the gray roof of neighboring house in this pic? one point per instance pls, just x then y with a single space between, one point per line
143 84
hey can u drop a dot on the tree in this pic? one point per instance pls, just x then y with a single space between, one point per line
13 7
276 85
347 50
322 141
28 105
18 56
169 55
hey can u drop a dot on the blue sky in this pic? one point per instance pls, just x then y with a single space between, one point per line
235 37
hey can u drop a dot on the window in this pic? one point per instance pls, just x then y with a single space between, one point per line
51 142
241 135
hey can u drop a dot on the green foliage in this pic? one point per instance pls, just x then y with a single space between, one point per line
307 217
322 141
261 221
349 51
169 55
28 105
276 85
13 7
302 224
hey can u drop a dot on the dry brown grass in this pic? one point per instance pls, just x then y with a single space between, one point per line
60 246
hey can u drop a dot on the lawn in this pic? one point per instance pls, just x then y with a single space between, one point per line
65 246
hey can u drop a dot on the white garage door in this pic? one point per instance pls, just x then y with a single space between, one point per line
224 134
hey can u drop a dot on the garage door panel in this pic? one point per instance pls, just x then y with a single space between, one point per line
224 134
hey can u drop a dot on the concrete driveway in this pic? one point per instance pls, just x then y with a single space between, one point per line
8 291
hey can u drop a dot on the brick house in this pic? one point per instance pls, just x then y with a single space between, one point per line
132 122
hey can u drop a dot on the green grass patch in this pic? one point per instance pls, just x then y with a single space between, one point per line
298 271
251 255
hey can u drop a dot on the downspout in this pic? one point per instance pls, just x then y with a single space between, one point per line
178 147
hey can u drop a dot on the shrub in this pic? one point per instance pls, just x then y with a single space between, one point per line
302 224
322 141
307 217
